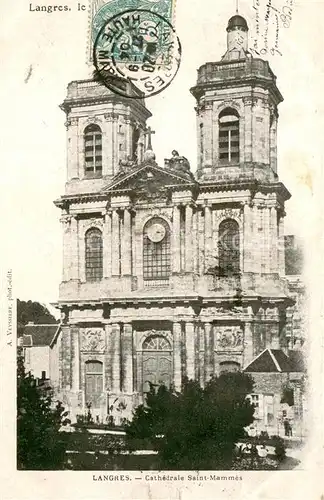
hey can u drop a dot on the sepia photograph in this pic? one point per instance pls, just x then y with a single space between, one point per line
159 276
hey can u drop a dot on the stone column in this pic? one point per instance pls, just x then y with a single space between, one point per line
115 236
248 343
247 242
115 358
176 240
195 242
201 343
75 359
208 135
188 240
281 246
108 358
126 250
177 356
208 236
273 143
266 240
273 240
72 149
248 129
190 350
108 146
74 252
66 221
255 244
209 352
66 358
107 246
127 358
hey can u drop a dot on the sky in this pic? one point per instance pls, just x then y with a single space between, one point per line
44 52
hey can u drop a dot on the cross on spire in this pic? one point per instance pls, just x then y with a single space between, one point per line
237 2
149 132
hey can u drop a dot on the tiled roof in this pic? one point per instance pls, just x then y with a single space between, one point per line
39 335
275 360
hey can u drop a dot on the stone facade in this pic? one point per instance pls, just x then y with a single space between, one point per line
161 307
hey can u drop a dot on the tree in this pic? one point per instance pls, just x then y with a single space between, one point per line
197 428
39 444
32 311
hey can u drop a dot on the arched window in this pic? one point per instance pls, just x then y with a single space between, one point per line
229 366
93 150
93 382
229 136
93 256
156 251
156 343
229 248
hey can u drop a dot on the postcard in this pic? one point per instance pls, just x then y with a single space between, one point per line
161 283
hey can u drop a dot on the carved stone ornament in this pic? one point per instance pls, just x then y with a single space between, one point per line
229 104
93 340
229 337
228 213
70 122
148 188
93 223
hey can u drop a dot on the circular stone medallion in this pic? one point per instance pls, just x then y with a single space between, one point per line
137 53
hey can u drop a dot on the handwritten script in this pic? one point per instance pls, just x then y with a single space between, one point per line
270 17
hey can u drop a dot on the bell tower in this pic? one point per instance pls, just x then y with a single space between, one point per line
237 99
103 130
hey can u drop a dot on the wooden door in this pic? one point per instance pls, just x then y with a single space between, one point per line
157 363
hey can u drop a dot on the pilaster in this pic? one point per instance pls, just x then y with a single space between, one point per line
176 240
190 350
126 249
115 358
188 239
127 358
75 341
209 352
177 356
107 246
115 244
248 120
108 146
281 246
208 236
273 240
247 242
72 148
248 343
74 253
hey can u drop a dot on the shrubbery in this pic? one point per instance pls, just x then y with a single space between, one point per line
39 444
197 428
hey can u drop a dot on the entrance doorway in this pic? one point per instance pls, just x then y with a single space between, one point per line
157 362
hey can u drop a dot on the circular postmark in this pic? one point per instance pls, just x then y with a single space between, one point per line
137 53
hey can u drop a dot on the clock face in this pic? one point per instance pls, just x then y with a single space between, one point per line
156 232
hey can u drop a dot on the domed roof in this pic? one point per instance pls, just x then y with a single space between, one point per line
237 22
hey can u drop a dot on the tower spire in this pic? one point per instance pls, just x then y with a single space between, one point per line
237 2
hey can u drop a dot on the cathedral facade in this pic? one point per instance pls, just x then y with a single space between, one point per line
168 275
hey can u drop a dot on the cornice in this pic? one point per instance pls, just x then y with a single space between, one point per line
253 185
266 82
80 102
193 300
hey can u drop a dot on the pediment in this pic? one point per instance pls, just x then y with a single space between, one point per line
149 181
